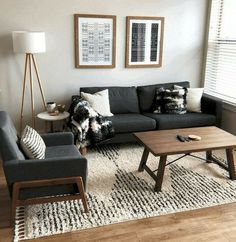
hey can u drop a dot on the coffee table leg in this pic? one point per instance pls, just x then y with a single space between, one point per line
144 159
230 160
160 173
209 156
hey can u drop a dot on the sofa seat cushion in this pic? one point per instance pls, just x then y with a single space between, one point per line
174 121
61 151
124 123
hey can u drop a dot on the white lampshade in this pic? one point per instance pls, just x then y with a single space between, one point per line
28 42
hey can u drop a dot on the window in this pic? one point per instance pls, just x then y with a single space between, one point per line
220 72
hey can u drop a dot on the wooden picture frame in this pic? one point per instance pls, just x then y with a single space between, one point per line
95 41
144 41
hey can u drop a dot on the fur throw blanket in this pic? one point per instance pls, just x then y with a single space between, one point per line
88 126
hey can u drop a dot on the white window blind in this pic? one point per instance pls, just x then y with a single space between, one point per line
220 71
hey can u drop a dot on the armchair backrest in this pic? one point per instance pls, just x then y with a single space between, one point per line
8 139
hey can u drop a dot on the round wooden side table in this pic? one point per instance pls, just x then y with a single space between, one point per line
52 118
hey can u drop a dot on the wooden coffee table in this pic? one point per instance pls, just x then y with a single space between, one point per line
164 142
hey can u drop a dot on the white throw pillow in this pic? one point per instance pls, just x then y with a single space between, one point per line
32 144
99 101
194 96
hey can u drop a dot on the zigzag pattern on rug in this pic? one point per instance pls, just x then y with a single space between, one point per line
117 193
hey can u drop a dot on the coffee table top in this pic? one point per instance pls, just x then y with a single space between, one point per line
164 142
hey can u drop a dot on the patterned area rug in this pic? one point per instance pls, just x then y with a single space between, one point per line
117 192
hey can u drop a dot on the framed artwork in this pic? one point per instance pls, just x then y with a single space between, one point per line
95 41
144 41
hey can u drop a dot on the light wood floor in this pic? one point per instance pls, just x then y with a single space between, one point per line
209 224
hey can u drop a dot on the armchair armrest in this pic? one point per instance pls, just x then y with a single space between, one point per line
27 170
61 138
214 106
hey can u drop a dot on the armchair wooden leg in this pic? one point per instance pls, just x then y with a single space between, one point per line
82 193
15 194
40 183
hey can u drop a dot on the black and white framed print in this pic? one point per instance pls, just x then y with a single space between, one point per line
144 41
95 41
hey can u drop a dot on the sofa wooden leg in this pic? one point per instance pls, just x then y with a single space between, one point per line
82 193
83 151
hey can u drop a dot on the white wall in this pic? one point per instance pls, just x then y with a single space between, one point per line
182 53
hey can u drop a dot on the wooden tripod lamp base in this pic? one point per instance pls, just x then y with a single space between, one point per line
29 60
29 43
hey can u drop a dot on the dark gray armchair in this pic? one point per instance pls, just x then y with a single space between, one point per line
63 171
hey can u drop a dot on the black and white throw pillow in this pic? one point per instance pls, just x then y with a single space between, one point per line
32 144
159 104
172 101
175 101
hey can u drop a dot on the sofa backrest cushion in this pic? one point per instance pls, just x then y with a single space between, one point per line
122 99
8 139
146 94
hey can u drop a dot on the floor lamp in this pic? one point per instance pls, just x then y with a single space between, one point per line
29 43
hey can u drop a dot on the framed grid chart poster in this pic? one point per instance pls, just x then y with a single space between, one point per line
95 41
144 41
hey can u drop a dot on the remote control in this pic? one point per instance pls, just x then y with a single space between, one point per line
180 138
186 138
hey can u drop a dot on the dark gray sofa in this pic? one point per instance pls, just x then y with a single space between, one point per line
133 111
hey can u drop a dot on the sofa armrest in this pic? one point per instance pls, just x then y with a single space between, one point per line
27 170
61 138
213 106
